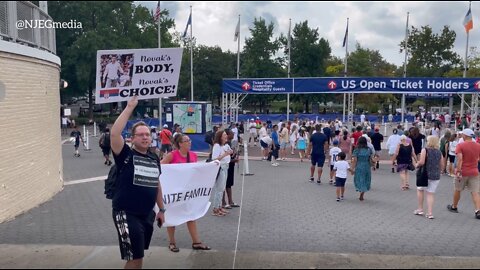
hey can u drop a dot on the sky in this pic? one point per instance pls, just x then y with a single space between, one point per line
374 25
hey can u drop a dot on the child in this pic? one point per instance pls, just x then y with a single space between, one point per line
341 167
333 158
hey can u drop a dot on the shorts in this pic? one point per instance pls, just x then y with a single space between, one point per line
106 151
331 168
451 158
283 145
318 160
166 148
432 186
472 182
230 174
263 144
340 182
378 152
134 233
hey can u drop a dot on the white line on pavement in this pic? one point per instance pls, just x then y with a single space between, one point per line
74 182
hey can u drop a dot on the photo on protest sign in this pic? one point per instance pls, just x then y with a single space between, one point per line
146 73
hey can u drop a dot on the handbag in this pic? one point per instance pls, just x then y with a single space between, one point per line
422 174
411 167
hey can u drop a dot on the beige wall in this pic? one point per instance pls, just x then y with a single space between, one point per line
31 167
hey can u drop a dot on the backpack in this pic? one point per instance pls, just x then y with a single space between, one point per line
110 182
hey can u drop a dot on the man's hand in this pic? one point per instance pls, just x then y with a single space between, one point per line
133 102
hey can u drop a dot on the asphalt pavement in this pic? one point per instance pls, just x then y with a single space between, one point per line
283 222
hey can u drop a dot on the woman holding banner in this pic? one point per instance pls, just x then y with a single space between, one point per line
182 154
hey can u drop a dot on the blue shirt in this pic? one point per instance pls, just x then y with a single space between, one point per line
275 138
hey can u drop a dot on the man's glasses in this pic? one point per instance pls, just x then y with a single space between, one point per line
142 134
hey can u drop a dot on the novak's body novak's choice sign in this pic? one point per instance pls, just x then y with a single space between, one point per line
146 73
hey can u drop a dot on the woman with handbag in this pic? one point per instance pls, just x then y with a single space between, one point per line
431 164
404 155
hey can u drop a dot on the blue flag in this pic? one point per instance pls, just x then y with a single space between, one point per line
189 22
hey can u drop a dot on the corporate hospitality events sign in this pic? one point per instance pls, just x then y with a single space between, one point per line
146 73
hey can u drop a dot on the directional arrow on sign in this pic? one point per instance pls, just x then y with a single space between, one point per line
332 85
477 85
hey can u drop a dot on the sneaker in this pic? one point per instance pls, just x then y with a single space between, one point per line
451 209
341 198
319 181
338 199
331 182
477 214
275 164
311 180
393 170
378 165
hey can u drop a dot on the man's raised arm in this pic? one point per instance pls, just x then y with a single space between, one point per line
116 139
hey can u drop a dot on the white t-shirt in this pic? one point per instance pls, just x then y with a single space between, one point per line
235 134
220 150
333 154
267 140
111 70
64 121
362 118
253 128
341 168
262 132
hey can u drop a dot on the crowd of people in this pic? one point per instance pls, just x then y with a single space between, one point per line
354 151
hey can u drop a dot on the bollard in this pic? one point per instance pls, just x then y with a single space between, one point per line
245 159
94 129
84 130
87 148
406 125
385 128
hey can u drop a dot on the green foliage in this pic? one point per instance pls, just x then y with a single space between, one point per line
432 54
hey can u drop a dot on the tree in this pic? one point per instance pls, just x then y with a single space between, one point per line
309 55
258 57
431 54
369 63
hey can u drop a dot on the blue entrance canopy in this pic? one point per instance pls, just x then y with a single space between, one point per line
336 85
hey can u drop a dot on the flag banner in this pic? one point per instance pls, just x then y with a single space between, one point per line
237 31
186 190
289 42
146 73
189 22
156 16
351 85
468 21
345 37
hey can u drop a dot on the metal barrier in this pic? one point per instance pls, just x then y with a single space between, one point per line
11 12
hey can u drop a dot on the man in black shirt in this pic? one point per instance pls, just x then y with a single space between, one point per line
317 149
377 140
137 188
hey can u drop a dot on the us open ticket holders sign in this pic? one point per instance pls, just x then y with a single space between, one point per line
146 73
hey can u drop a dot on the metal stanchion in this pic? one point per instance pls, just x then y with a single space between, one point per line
245 159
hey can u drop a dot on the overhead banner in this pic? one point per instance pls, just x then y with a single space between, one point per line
186 189
353 85
258 86
146 73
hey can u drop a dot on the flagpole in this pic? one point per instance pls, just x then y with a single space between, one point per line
405 66
345 72
159 46
238 69
465 65
191 54
288 69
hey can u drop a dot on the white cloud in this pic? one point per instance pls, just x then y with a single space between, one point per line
375 25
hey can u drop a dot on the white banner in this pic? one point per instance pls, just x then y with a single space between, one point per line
186 189
146 73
